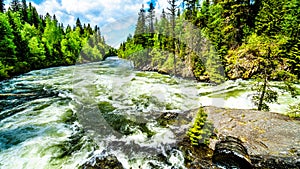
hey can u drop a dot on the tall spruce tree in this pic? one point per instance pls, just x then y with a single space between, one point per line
190 9
140 28
151 17
24 11
79 25
172 11
2 8
15 5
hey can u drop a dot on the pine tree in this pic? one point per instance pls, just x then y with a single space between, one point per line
7 46
290 28
79 25
172 10
2 8
190 8
22 50
270 17
15 5
24 11
140 29
236 13
151 17
260 58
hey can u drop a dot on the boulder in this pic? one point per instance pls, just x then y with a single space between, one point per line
230 153
103 161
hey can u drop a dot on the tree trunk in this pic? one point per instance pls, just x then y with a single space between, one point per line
173 43
261 99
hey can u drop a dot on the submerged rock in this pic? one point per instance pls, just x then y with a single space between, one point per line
167 118
103 161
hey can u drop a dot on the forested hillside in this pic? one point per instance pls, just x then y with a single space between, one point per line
31 41
216 40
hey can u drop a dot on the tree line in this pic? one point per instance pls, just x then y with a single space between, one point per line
31 41
215 40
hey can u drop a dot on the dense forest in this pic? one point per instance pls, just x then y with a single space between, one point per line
214 40
31 41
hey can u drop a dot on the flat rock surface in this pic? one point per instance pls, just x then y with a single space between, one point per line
263 133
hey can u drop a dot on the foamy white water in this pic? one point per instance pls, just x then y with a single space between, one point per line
69 112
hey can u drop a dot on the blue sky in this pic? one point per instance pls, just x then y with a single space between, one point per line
116 18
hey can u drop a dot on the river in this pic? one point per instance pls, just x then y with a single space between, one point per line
59 117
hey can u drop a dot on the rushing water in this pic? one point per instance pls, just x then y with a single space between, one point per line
60 117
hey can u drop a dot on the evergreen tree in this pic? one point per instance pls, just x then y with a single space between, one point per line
2 8
15 5
140 29
264 63
52 37
252 39
7 46
236 14
151 17
79 25
37 56
172 9
24 11
30 41
22 50
270 17
190 8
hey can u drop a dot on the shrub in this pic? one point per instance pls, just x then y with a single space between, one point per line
201 130
294 111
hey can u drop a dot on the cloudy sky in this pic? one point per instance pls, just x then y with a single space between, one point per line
116 18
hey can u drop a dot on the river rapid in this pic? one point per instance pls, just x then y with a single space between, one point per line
60 117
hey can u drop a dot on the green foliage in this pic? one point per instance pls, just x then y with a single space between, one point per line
29 41
263 94
201 130
207 37
7 47
294 111
261 58
3 71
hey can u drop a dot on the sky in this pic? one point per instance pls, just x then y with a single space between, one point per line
116 18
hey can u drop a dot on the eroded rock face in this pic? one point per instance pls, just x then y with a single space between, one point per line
262 133
262 162
103 161
230 153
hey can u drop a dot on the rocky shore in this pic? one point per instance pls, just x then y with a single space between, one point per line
241 139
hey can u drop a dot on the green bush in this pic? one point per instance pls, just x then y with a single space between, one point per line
294 111
201 130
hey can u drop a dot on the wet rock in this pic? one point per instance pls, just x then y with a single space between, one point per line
230 153
264 161
181 71
103 161
243 138
167 118
263 133
195 157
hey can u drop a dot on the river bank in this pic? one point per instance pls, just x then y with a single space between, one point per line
270 140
